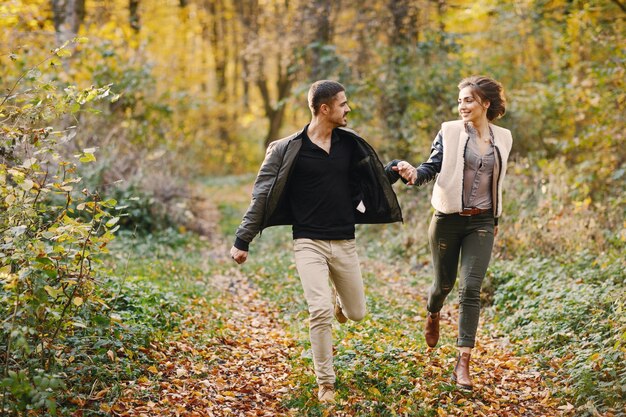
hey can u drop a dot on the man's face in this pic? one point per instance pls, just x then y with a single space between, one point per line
339 109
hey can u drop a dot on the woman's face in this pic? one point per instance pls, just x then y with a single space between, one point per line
470 109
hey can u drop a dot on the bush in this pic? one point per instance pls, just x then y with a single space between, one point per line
53 233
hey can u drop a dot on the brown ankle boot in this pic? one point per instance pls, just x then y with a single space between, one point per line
431 332
461 372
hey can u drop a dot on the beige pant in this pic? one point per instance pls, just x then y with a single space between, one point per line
317 262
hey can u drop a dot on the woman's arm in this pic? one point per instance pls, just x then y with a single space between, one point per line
398 169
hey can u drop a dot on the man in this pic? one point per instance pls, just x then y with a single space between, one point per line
322 180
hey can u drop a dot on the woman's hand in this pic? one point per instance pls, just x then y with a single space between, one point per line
406 171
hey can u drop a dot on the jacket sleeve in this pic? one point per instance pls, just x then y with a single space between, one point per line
426 171
252 221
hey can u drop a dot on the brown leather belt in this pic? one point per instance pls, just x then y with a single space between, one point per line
473 211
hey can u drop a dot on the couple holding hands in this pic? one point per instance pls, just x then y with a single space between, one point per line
325 179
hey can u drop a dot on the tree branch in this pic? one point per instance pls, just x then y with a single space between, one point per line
620 5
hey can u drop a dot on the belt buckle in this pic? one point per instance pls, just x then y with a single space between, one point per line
468 212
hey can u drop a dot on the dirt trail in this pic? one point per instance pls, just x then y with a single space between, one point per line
242 370
233 358
237 368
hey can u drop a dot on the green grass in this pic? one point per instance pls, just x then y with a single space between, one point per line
570 313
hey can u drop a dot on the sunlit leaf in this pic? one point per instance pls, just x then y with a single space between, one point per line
87 157
63 53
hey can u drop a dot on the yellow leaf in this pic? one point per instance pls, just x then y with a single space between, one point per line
100 394
63 52
87 157
153 369
52 292
77 301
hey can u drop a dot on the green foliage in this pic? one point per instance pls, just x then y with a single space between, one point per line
409 96
141 212
570 315
146 117
53 234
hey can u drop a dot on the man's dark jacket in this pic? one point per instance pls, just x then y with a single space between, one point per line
269 206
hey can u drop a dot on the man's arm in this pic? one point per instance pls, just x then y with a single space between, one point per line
252 220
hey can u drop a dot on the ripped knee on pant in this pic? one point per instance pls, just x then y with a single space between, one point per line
469 294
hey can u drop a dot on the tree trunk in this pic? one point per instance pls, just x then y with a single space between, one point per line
216 32
317 17
247 11
133 15
68 16
275 113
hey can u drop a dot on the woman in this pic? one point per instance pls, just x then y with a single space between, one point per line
469 159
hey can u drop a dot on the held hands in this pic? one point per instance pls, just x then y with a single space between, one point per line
406 171
238 255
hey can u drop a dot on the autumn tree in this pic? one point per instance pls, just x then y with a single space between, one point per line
271 56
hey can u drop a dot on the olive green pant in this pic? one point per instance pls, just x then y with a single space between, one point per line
470 238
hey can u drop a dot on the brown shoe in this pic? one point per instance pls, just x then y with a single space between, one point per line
460 375
341 318
431 332
326 393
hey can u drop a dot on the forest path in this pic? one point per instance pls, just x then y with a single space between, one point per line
227 362
245 352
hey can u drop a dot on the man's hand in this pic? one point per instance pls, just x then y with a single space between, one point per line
406 171
238 256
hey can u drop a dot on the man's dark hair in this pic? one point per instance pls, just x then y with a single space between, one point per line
322 92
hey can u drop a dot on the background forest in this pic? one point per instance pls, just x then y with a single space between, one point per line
129 130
